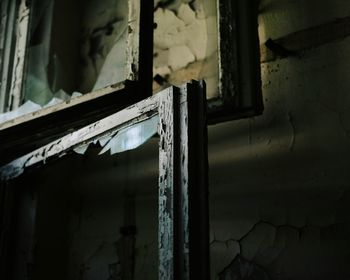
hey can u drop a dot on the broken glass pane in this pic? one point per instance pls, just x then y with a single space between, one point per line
132 137
26 108
75 46
186 44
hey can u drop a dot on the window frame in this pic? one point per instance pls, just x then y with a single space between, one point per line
14 41
183 183
240 93
239 59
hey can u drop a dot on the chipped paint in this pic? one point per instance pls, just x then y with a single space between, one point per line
101 129
20 54
133 40
166 187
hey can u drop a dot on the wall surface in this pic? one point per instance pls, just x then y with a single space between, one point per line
279 182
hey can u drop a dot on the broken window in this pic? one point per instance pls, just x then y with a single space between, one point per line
62 49
65 48
186 43
92 217
76 46
213 40
53 215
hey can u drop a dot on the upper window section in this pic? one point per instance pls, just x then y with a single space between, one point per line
75 46
186 43
52 50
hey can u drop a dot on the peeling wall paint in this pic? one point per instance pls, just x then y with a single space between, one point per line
186 43
279 182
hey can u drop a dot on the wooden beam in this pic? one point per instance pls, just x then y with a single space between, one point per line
195 190
183 185
9 14
309 38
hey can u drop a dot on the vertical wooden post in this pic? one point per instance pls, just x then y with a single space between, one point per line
197 183
183 184
19 55
167 129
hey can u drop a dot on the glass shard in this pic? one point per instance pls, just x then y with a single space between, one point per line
132 137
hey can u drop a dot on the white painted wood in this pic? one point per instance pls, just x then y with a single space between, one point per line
133 39
7 33
20 54
108 126
64 105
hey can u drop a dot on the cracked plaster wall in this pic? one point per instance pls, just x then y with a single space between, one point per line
279 183
185 43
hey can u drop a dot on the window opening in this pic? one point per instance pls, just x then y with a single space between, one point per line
69 48
182 190
214 40
76 46
186 44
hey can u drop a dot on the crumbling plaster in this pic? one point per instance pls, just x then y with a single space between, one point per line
185 43
279 182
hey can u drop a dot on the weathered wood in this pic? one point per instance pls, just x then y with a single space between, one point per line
182 220
166 131
183 185
309 38
108 126
62 106
183 189
19 54
18 137
7 43
239 62
23 135
133 40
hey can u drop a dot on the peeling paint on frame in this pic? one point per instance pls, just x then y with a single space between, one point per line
20 54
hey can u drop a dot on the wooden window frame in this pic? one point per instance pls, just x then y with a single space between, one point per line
239 59
240 92
183 184
14 39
